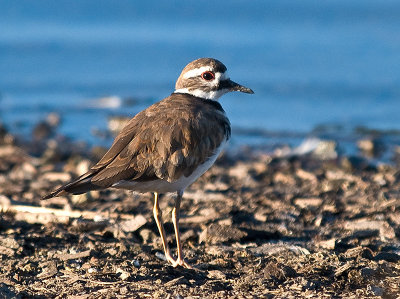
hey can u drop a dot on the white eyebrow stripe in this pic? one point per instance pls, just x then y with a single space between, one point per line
197 72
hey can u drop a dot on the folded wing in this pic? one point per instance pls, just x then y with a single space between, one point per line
167 140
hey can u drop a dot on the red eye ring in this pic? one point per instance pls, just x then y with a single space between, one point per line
208 75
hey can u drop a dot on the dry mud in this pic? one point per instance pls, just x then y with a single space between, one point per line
255 225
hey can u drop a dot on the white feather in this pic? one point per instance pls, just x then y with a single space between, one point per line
163 186
209 95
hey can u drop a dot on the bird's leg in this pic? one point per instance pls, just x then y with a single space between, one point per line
175 219
158 217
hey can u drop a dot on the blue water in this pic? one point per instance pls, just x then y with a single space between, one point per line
310 63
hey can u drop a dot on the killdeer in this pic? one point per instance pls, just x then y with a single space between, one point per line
167 146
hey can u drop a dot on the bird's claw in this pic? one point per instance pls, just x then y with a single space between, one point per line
181 262
169 258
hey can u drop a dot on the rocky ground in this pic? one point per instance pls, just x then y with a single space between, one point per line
255 225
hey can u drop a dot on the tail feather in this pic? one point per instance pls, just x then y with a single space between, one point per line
81 185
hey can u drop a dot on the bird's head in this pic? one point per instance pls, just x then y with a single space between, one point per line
207 78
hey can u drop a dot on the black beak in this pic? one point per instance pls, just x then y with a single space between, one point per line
233 86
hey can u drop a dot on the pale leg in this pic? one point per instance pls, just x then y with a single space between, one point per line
175 219
158 217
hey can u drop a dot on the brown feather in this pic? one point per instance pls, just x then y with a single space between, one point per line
167 140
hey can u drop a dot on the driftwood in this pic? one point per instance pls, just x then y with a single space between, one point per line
43 215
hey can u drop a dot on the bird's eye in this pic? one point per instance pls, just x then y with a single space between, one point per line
208 76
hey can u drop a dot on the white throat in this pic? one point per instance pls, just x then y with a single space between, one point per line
209 95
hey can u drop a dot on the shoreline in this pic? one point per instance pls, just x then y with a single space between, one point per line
376 146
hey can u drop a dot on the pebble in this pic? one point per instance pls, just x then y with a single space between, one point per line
88 225
327 244
53 119
56 176
326 150
306 203
216 274
92 270
124 275
216 233
133 224
160 256
136 263
274 249
13 152
377 291
176 281
367 225
366 145
124 290
371 147
5 202
147 235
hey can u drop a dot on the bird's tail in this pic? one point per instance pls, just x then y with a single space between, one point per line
80 185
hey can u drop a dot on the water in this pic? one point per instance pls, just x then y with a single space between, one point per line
310 63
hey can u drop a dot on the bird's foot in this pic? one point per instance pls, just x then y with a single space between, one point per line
169 258
175 263
181 262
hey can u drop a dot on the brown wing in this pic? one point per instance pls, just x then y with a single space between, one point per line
167 140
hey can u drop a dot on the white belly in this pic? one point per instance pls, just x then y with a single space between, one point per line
162 186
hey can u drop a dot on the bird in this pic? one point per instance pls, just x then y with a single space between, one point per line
167 146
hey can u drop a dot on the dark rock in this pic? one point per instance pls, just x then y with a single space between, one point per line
278 271
7 291
371 148
42 131
3 133
387 256
377 291
367 272
353 163
87 225
260 234
367 254
216 274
